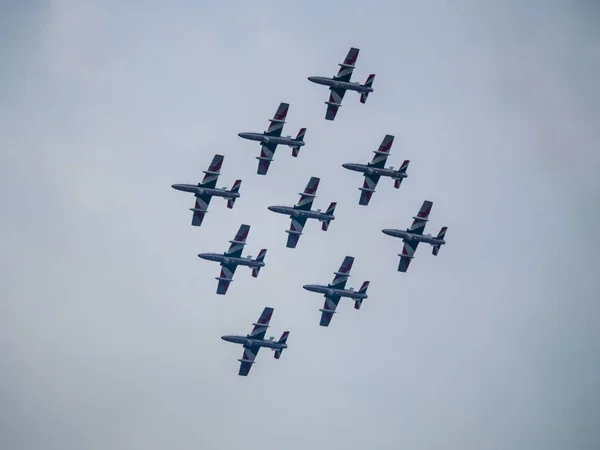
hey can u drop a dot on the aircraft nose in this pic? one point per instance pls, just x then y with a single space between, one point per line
311 78
345 165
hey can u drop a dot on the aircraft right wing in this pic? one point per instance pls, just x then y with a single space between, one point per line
407 255
342 275
328 310
200 208
238 243
295 231
247 360
225 278
335 101
266 156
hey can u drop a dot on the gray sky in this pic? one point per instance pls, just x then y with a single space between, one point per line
109 323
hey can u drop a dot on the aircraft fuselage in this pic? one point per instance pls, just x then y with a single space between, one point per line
224 259
327 290
199 190
294 212
250 342
266 139
403 234
364 168
337 84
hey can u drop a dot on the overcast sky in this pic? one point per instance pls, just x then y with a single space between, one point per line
110 324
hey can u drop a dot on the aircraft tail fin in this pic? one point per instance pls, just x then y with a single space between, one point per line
259 258
441 235
299 137
362 290
330 211
282 340
368 83
402 169
235 189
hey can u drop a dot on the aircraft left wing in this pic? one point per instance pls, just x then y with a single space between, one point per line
225 278
200 208
212 174
342 275
347 67
421 219
307 197
278 120
239 241
382 153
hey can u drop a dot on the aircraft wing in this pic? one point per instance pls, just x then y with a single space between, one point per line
382 153
368 188
212 174
226 277
342 275
328 309
266 156
261 325
295 231
238 243
347 67
407 255
421 219
247 360
309 194
278 120
200 207
335 101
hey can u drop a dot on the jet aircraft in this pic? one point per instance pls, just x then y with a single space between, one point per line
413 235
302 211
233 258
207 189
272 137
376 169
255 340
335 290
340 83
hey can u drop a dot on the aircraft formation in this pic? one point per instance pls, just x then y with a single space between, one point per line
302 211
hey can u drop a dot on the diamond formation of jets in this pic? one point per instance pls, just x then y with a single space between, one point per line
335 290
253 342
271 138
301 212
413 235
340 83
207 189
376 169
233 258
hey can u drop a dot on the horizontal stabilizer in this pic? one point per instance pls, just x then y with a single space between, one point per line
358 303
295 151
255 271
436 250
230 202
398 182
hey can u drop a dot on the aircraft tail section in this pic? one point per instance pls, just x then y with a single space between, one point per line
282 340
402 169
299 137
330 211
368 83
259 258
441 235
362 290
235 189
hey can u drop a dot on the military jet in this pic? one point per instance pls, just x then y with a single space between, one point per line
272 137
413 235
207 189
301 212
376 168
255 340
339 84
233 258
335 290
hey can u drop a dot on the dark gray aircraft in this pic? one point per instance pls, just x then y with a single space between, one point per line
413 235
233 258
336 290
272 137
301 212
253 341
376 169
339 84
207 189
